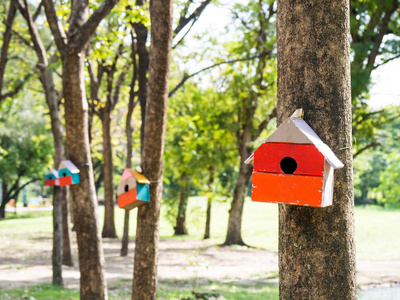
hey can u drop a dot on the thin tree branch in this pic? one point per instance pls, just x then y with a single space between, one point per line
22 186
22 39
6 42
17 88
56 28
38 11
87 30
371 145
265 122
183 21
386 61
186 77
118 86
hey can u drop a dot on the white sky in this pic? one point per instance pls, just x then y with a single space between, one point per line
386 89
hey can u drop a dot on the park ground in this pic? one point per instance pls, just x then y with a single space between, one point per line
189 263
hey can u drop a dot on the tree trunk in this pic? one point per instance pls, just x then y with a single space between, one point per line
59 216
6 42
128 133
234 233
66 228
4 199
109 224
316 245
208 219
144 285
57 237
180 227
209 203
91 260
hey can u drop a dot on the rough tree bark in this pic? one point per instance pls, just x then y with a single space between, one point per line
147 233
72 47
316 245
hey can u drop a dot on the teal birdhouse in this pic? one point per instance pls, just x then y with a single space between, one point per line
51 178
68 173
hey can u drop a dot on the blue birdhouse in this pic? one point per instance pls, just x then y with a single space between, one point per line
68 173
51 178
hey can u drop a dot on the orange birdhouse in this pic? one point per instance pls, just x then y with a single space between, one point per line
133 189
293 166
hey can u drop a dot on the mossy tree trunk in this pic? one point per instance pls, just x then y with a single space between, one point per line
316 245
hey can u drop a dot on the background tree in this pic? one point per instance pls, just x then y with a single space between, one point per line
198 142
72 46
374 30
62 243
252 85
25 149
316 245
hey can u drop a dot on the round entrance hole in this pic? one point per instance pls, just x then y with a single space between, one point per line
64 174
126 188
288 165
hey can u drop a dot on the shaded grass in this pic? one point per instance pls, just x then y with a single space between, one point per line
167 289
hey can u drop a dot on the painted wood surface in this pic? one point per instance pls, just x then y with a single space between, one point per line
50 182
287 189
67 180
129 200
268 156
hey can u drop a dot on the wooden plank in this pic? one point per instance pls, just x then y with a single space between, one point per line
127 198
287 189
50 182
67 180
268 157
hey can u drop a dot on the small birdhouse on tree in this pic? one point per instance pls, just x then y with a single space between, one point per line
68 173
133 189
294 166
51 178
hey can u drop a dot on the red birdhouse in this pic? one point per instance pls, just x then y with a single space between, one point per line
293 166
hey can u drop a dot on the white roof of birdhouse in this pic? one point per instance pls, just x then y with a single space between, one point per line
67 164
295 130
54 172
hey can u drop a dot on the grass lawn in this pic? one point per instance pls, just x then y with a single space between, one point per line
377 232
377 228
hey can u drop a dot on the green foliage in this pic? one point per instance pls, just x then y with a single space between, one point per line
26 146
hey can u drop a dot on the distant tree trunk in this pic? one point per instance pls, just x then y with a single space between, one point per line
316 245
109 202
66 228
234 233
144 285
128 132
143 67
180 227
4 198
209 203
57 237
